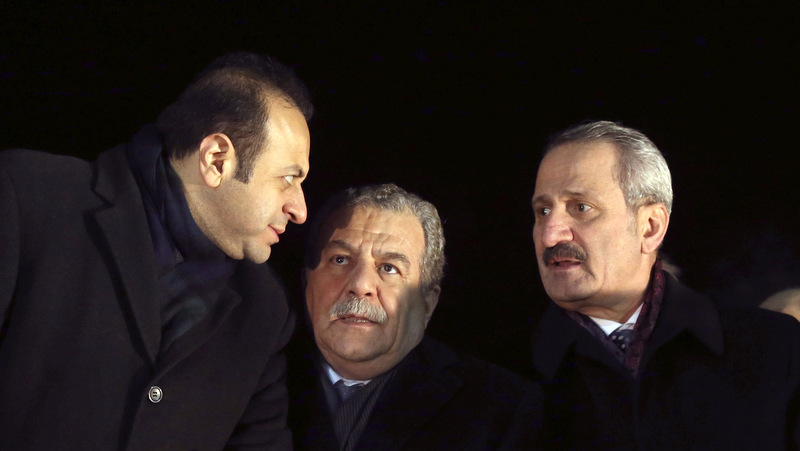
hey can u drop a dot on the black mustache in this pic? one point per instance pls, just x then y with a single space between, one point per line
563 250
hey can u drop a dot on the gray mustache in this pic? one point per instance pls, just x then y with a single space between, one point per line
359 307
563 250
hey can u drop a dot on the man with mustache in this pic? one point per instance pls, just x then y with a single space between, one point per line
136 311
629 357
375 381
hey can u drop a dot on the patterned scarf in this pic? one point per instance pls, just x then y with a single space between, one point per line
653 297
193 271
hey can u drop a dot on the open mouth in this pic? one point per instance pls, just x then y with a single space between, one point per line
566 263
355 319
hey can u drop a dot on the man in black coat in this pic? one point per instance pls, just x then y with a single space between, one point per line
136 311
369 378
630 358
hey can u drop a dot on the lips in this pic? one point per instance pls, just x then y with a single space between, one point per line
564 255
563 263
355 319
278 233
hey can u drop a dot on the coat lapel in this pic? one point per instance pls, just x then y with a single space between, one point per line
125 228
201 332
684 310
556 335
421 387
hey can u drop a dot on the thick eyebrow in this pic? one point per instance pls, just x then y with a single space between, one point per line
388 255
339 244
395 256
545 197
540 198
296 168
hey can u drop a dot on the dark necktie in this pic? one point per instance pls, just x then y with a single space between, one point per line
346 391
622 337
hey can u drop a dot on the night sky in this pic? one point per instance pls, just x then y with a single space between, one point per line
455 103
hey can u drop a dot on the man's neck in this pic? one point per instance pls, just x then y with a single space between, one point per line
335 377
609 326
618 312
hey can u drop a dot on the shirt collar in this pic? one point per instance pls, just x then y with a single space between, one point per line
335 377
609 326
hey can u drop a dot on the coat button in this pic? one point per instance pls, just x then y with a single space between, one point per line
155 394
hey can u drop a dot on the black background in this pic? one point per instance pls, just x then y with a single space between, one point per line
454 100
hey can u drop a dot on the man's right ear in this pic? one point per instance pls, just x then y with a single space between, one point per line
216 159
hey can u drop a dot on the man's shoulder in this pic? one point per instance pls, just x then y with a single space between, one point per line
472 371
26 165
759 326
747 332
736 321
36 161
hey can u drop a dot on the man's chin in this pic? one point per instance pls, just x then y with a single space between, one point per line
566 298
356 353
256 256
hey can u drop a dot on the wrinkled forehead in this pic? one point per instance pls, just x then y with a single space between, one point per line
373 227
575 165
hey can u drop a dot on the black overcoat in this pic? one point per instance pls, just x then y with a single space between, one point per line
437 400
709 379
80 304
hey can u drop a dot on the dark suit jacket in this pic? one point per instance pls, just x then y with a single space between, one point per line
708 379
438 400
79 343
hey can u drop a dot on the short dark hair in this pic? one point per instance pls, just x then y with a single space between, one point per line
233 96
386 197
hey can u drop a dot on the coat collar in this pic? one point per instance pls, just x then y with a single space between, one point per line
682 310
124 226
686 310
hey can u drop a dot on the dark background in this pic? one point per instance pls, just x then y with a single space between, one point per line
454 102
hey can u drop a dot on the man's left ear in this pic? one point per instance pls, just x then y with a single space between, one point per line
217 159
653 222
431 298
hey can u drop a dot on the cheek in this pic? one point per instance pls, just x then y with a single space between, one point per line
537 243
319 298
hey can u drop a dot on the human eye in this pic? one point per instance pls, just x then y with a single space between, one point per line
289 178
339 260
583 208
542 211
389 269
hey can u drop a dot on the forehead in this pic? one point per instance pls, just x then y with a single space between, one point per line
288 138
578 168
373 227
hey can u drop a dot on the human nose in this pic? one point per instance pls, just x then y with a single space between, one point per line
295 207
555 228
363 281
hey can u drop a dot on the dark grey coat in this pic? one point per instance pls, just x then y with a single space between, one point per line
80 304
709 379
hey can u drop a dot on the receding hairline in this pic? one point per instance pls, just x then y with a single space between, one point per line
268 92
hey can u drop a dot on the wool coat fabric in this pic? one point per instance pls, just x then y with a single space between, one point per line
438 399
709 379
80 366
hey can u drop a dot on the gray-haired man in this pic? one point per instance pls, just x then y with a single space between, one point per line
631 358
373 380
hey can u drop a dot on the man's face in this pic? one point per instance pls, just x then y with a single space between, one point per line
250 216
364 298
587 245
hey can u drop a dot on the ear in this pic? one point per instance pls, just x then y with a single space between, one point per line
431 298
653 221
217 159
